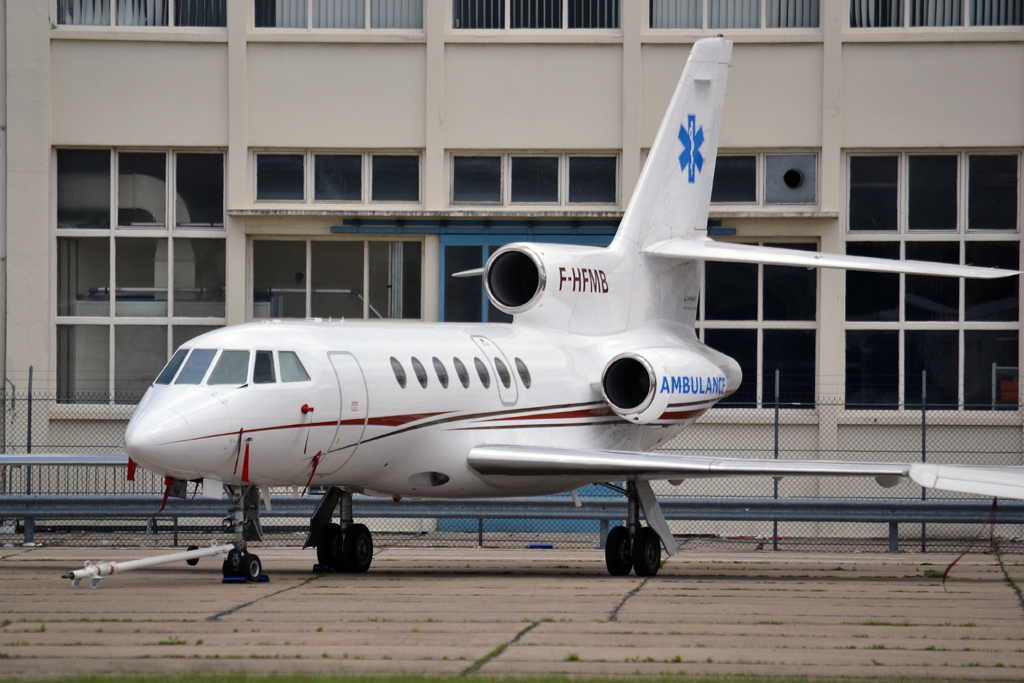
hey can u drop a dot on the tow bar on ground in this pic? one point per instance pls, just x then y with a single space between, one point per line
100 570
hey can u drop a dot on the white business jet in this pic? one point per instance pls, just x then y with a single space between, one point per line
600 364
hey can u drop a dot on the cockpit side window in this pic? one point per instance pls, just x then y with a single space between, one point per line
291 367
196 366
481 369
232 368
263 371
167 374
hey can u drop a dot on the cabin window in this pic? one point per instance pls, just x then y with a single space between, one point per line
421 372
291 367
481 370
172 367
196 366
232 368
524 372
399 371
461 371
442 373
503 374
263 371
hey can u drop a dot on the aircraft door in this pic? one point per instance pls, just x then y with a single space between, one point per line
354 411
504 377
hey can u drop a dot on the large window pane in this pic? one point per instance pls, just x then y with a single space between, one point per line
280 14
183 333
932 198
536 13
876 13
338 177
872 368
988 353
997 299
790 293
396 13
873 196
735 180
396 178
535 179
200 13
992 192
339 14
792 13
199 278
337 272
478 13
83 188
141 268
463 296
279 176
740 345
793 354
140 352
141 12
83 276
730 291
594 13
83 363
938 353
592 180
873 296
199 185
676 13
734 14
932 298
279 279
936 13
476 179
998 13
141 189
83 12
395 279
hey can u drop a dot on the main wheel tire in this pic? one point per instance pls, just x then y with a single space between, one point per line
329 548
646 552
617 555
233 565
195 560
251 568
358 548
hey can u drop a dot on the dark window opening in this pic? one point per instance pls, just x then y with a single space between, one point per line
873 196
396 178
730 291
932 198
932 298
997 299
478 13
338 177
503 374
872 368
441 372
873 297
419 371
524 372
592 180
735 180
279 176
936 352
396 367
792 353
593 13
481 370
83 188
172 366
461 371
534 180
992 192
263 368
199 185
476 179
790 293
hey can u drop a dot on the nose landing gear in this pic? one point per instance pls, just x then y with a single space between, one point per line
344 547
244 521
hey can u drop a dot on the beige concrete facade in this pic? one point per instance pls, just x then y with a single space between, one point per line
436 92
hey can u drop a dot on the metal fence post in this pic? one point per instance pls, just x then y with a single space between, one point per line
924 443
480 532
28 441
30 531
175 532
894 537
602 540
775 481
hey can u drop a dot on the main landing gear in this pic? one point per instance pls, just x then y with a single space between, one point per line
345 547
632 546
244 521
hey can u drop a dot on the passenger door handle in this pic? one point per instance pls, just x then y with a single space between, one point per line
306 408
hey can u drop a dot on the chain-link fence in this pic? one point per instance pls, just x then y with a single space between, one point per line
829 430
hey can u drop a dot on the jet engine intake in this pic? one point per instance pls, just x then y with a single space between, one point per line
514 279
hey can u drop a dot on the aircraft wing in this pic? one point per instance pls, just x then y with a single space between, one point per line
98 460
1004 482
710 250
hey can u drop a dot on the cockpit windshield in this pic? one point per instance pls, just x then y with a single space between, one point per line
196 366
167 374
232 368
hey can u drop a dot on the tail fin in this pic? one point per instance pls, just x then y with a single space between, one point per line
674 191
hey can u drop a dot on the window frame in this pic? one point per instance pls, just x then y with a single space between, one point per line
171 6
905 24
903 193
506 22
367 22
506 177
170 231
309 177
761 180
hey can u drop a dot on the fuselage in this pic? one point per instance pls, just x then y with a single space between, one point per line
393 408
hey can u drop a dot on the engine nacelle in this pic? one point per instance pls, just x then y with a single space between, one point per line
515 278
666 385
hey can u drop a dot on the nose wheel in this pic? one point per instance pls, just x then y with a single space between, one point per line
243 520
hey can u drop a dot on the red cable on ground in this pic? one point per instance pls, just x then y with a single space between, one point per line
991 519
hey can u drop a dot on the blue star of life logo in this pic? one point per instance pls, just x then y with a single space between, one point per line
691 161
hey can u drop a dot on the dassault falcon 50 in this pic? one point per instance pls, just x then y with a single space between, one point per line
600 365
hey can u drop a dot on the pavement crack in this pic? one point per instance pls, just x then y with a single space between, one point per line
234 609
614 616
1006 575
493 654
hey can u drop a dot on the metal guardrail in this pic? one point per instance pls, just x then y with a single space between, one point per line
892 512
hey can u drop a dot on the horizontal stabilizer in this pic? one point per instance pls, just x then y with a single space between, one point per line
999 482
710 250
98 460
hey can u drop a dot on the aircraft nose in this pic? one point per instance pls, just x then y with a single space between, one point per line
159 439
